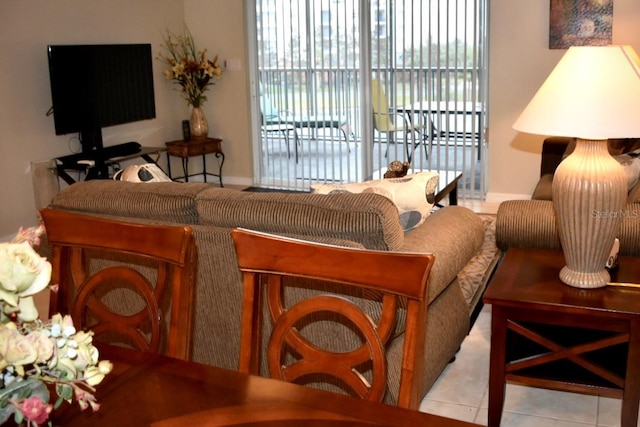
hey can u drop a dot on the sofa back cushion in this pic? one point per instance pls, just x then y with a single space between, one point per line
367 218
163 201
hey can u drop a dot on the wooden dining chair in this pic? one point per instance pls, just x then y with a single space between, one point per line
395 276
131 284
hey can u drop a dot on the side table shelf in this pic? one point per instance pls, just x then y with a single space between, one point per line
187 149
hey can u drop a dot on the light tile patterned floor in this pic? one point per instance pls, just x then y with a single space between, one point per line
461 392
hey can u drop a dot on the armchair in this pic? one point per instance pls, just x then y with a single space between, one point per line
532 223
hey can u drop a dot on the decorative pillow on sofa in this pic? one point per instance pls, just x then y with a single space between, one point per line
631 164
413 194
148 172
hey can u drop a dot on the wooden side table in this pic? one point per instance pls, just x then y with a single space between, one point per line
186 149
550 335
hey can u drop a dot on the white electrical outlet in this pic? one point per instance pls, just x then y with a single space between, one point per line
233 64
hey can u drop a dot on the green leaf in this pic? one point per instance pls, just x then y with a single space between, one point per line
58 402
65 391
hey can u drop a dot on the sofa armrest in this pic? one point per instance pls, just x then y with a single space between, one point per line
454 234
528 224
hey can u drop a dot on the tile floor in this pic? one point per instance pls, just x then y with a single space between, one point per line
461 392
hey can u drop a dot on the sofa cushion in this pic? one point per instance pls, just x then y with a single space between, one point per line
543 188
623 151
615 146
164 201
367 218
413 194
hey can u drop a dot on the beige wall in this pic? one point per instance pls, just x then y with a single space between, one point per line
26 134
519 63
219 25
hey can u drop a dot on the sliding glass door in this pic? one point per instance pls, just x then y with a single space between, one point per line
344 87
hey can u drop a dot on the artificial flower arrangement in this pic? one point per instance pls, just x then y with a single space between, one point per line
35 354
189 68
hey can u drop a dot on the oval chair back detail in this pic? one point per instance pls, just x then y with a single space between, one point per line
390 276
155 265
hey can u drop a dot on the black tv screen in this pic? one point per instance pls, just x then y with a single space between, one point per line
95 86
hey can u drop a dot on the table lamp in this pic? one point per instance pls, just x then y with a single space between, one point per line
592 94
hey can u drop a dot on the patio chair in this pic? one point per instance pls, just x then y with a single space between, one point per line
132 284
385 120
274 125
286 122
387 280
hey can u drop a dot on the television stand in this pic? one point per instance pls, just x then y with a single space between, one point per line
95 165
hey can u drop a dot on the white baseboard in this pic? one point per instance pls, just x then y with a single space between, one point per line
233 181
502 197
492 202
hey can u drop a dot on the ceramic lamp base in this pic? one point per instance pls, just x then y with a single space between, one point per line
589 194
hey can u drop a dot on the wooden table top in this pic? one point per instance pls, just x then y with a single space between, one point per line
150 390
528 277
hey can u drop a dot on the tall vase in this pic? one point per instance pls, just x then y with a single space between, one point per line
198 124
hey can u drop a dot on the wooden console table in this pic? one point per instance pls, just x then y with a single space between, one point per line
93 166
186 149
550 335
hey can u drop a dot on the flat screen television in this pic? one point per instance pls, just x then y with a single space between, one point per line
95 86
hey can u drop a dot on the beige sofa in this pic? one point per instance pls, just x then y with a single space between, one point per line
464 256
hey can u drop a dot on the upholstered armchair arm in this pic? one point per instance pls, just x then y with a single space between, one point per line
532 224
526 223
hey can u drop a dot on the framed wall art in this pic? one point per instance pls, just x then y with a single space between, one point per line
580 23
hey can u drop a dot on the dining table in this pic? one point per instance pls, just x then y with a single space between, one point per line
146 389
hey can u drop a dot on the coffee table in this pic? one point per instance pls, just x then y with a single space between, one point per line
550 335
448 185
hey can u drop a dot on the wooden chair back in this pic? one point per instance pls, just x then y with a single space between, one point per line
393 275
131 284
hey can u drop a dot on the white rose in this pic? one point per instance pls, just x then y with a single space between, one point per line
28 311
22 272
43 345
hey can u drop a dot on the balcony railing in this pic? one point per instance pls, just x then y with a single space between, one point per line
454 122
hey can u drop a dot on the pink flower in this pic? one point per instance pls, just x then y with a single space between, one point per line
36 410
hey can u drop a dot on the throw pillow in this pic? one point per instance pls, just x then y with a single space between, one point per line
147 172
413 194
631 164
